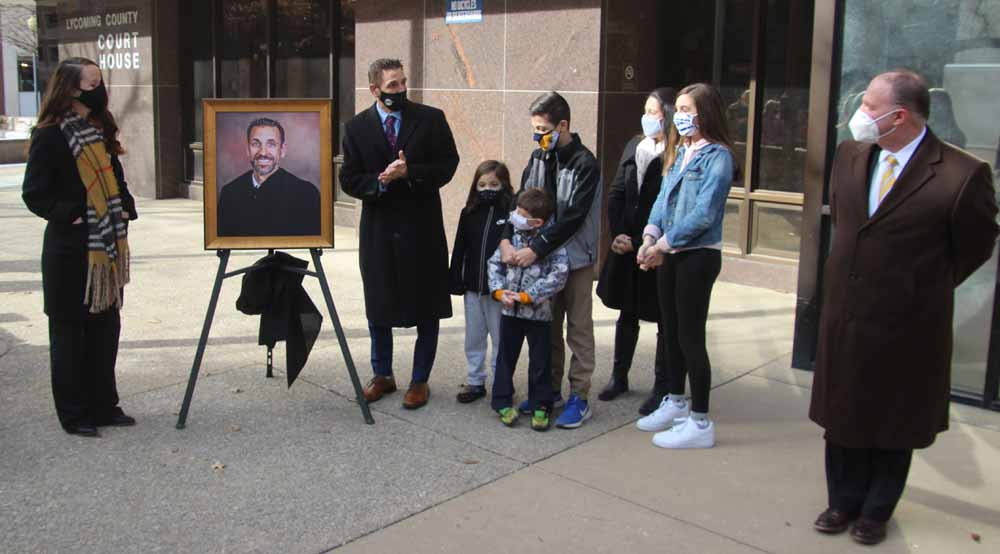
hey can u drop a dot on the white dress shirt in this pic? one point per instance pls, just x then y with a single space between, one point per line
902 158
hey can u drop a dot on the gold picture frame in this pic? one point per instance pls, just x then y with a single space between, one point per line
306 135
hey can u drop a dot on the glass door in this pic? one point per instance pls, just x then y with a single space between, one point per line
758 52
948 42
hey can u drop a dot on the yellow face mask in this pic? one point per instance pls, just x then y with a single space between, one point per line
547 141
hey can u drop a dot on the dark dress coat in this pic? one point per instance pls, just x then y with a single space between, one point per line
283 205
286 311
623 286
403 249
53 190
883 367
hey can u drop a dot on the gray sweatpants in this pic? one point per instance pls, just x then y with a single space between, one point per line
482 318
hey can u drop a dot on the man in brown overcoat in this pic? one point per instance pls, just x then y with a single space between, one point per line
912 218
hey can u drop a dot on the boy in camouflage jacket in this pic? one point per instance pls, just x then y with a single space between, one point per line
527 312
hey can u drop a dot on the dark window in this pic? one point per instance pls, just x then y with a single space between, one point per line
244 49
785 113
302 48
25 74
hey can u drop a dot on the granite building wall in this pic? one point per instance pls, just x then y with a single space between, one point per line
485 75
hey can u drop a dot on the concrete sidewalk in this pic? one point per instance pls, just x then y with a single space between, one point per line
303 473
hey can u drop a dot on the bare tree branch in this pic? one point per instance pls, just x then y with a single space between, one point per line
15 28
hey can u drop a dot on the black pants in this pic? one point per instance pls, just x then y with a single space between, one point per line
866 481
685 282
626 338
513 332
83 354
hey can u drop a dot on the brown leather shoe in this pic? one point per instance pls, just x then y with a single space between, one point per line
832 521
378 387
416 396
868 531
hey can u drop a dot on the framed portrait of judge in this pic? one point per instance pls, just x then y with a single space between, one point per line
268 174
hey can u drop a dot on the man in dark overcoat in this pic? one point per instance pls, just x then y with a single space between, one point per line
913 217
397 154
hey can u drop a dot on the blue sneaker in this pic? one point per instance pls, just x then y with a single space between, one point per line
526 408
577 411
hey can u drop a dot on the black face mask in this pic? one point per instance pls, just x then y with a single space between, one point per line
489 196
393 100
95 99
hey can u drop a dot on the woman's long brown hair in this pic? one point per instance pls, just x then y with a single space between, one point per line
711 120
59 97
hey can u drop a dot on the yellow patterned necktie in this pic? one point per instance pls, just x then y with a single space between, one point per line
888 177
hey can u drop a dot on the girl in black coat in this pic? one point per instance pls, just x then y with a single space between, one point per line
479 231
622 285
81 284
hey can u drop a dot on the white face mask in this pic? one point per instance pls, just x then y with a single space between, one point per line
685 124
865 129
520 222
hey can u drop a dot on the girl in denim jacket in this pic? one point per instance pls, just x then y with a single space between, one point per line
683 240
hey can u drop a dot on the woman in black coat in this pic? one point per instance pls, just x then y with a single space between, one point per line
622 285
85 247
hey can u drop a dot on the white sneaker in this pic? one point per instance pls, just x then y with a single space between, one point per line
686 434
664 416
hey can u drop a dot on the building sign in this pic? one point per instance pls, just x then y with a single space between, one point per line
115 33
463 11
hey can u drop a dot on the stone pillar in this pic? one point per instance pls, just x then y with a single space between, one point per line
135 43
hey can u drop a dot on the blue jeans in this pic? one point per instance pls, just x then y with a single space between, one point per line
514 332
423 352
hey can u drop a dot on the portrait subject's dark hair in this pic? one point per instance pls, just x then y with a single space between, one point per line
265 122
537 202
909 90
552 106
378 66
503 175
58 100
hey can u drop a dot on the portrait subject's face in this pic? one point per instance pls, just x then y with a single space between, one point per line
265 151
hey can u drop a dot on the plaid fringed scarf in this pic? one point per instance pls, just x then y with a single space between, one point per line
107 242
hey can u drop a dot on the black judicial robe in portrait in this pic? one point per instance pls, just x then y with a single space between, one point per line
283 205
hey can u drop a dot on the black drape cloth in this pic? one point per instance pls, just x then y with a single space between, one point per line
286 311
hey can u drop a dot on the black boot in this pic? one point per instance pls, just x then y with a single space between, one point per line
626 336
615 387
653 401
661 383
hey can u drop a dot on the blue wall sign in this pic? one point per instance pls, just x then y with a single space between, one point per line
463 11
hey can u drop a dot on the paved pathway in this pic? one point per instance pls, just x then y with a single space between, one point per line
302 473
